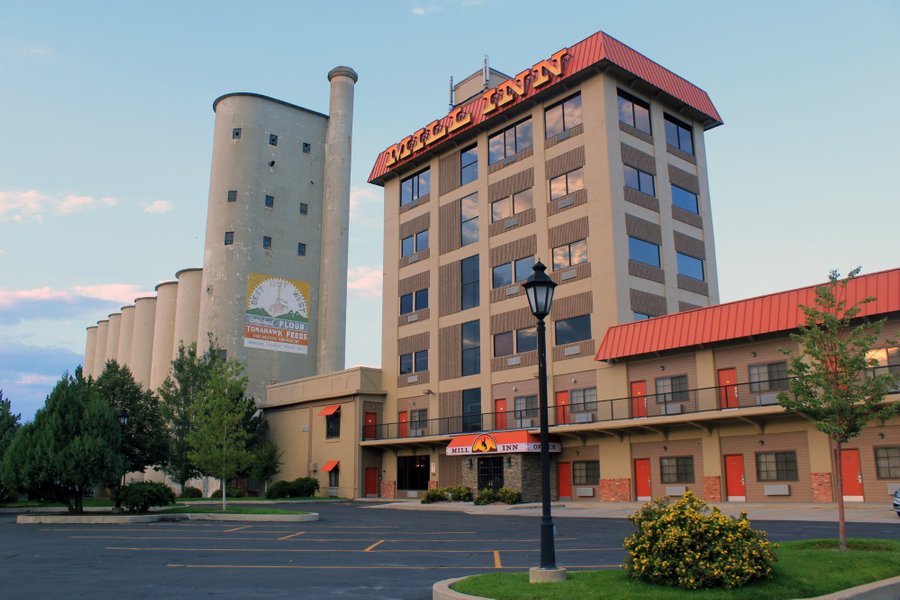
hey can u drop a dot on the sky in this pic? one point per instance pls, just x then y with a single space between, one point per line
107 135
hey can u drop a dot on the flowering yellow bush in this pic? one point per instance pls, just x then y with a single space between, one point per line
686 544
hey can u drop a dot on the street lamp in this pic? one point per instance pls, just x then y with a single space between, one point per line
539 289
123 421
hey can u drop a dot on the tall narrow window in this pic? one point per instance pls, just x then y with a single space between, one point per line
469 280
471 348
306 148
269 201
236 133
468 217
563 116
273 139
634 112
414 187
301 249
229 238
468 165
267 243
471 409
678 134
232 195
304 208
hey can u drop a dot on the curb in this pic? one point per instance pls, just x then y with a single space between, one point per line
441 591
40 519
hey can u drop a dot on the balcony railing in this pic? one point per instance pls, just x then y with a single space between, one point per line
678 402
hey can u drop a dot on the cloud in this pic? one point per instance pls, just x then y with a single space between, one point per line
28 373
36 50
421 11
31 205
362 198
36 379
158 207
47 303
364 281
3 253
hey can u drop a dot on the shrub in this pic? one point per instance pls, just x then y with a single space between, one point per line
233 492
141 495
685 544
191 492
436 495
507 495
460 493
298 488
279 489
486 496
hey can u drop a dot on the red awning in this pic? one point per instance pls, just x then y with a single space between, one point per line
329 410
498 442
331 465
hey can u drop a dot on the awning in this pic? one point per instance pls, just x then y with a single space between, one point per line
499 442
329 410
331 465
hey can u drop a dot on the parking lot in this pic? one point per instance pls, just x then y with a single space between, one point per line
353 551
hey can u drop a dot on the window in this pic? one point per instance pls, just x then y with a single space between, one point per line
887 462
567 183
413 188
267 243
637 316
685 199
569 255
509 142
471 348
333 425
468 218
586 472
643 251
469 282
887 359
471 409
768 377
521 269
422 240
414 301
414 243
511 205
672 389
273 139
304 208
639 180
421 299
301 249
490 472
573 330
270 201
676 469
526 407
776 466
334 477
678 134
515 342
563 116
690 266
584 400
503 344
414 362
306 148
634 112
412 472
236 133
229 238
468 165
232 195
526 339
418 419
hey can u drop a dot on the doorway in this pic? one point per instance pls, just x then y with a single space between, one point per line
490 472
642 488
851 476
728 389
735 484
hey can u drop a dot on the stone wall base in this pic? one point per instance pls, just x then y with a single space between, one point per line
615 490
821 487
712 488
432 484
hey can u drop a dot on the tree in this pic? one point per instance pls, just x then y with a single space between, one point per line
834 383
71 446
220 438
9 424
266 462
144 442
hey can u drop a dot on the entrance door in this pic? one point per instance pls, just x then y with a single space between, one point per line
490 472
404 423
562 408
371 485
500 413
565 480
851 476
728 391
638 399
735 486
642 479
370 422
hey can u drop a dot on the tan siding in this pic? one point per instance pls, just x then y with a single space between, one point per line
692 285
449 173
568 161
525 217
450 300
874 488
649 371
417 378
414 317
450 404
633 157
645 271
689 245
647 303
511 185
681 154
449 471
450 348
449 234
683 306
641 135
568 201
507 291
525 359
419 202
526 387
683 179
749 447
512 320
640 228
565 135
655 450
413 343
686 216
415 257
641 199
414 226
520 248
582 271
526 153
575 381
414 283
569 232
585 348
572 306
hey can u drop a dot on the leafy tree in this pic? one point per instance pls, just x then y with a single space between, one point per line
833 382
220 439
71 446
266 462
144 442
9 424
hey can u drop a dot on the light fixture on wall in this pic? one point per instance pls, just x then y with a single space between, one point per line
762 442
428 392
665 448
662 367
515 388
881 435
469 462
753 354
574 380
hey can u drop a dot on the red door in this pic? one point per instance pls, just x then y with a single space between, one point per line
562 408
851 475
370 421
500 413
728 391
735 486
638 399
371 486
565 480
404 424
642 478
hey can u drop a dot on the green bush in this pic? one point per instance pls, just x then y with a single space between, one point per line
298 488
486 496
233 492
191 492
507 495
436 495
684 544
460 493
7 494
141 495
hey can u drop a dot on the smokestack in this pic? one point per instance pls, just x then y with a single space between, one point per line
335 223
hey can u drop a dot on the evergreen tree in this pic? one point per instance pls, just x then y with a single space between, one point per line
9 424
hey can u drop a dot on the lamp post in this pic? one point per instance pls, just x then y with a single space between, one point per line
539 289
123 421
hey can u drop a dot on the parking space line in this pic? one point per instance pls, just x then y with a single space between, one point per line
237 528
495 553
293 535
372 547
497 563
380 567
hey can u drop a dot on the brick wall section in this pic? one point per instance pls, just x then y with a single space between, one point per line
432 484
821 487
615 490
388 489
712 488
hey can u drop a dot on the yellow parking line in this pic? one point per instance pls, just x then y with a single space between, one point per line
372 547
237 528
287 537
497 563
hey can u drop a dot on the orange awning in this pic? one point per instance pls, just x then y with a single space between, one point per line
498 442
329 410
331 465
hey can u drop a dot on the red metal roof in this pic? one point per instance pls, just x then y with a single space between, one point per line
595 49
743 318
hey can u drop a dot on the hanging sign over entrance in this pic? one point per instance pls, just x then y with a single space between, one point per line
500 442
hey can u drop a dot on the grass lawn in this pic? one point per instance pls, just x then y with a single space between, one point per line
804 569
232 510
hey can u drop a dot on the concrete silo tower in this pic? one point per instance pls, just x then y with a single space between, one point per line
268 222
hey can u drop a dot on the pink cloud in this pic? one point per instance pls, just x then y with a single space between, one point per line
364 281
35 379
23 206
114 292
158 207
73 203
124 293
362 196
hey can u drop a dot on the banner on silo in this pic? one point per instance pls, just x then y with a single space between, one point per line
277 314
